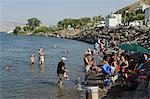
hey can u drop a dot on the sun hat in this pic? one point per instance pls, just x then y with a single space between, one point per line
63 58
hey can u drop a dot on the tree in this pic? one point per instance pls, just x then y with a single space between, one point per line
27 28
108 16
139 11
75 23
17 30
138 17
34 22
43 29
97 19
84 21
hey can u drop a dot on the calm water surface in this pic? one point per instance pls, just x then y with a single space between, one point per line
27 81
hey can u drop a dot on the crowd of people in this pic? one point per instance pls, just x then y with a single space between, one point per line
128 67
119 64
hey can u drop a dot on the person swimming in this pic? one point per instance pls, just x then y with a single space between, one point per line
7 67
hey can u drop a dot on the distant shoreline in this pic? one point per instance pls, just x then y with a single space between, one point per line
6 26
117 36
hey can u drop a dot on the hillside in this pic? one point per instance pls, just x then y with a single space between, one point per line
8 26
133 6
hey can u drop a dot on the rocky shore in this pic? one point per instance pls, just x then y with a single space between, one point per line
137 35
115 36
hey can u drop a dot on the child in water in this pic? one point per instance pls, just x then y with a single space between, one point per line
66 74
32 59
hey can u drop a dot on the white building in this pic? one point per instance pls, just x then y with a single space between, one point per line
70 28
143 6
101 24
136 23
113 20
147 16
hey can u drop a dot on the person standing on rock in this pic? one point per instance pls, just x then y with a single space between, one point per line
101 45
87 63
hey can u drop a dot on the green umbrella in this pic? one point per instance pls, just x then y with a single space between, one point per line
135 48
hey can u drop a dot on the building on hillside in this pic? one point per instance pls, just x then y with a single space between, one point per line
147 16
143 6
70 27
114 20
136 23
100 24
140 4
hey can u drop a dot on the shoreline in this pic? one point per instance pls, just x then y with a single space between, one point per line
123 94
115 37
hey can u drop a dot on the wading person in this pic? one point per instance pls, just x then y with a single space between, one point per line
61 71
41 59
32 58
41 56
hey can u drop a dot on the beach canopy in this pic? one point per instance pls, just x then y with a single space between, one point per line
135 48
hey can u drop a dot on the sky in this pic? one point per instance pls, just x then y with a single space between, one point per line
51 11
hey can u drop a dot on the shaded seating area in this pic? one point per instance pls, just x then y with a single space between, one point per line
124 71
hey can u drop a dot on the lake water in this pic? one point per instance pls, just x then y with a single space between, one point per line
26 81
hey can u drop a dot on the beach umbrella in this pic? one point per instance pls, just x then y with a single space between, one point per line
135 48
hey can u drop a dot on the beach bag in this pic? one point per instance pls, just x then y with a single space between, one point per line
106 69
107 82
118 68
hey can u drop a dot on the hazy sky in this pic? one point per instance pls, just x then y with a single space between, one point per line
51 11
